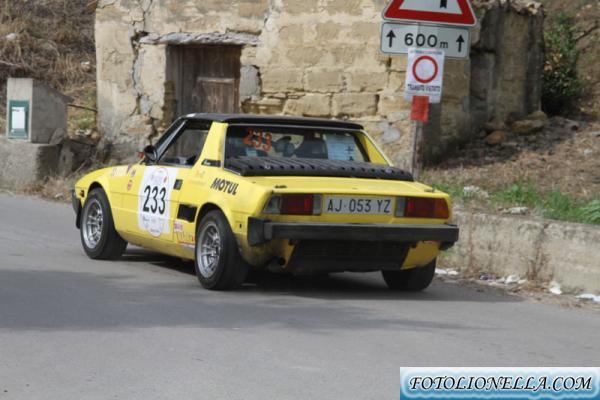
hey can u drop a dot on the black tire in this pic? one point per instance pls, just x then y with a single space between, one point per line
410 280
110 245
227 270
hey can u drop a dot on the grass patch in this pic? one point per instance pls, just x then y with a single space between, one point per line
520 194
553 205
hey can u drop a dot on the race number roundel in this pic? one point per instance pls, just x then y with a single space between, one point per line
153 200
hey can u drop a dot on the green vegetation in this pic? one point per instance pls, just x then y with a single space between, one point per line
591 211
561 86
552 205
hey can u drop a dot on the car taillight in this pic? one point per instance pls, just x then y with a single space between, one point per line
422 207
294 204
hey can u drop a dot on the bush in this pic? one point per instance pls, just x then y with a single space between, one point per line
561 87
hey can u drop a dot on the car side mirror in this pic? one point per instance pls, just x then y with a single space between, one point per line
150 153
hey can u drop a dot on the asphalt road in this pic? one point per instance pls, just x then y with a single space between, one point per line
142 328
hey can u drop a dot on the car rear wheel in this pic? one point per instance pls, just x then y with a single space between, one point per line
99 238
410 280
219 265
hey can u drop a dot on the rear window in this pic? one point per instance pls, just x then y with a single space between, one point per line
294 142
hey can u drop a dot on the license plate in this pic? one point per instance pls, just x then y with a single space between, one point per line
358 205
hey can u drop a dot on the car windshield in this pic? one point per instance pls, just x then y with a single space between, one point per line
294 142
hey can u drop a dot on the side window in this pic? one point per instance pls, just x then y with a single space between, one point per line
186 147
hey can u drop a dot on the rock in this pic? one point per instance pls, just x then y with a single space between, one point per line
527 126
11 36
96 136
494 125
475 191
496 137
572 125
555 288
595 134
516 211
558 121
86 66
512 145
588 152
390 135
537 116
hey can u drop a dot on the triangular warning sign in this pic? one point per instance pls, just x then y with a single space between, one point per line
447 12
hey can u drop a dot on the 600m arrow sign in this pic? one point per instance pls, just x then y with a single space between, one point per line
398 38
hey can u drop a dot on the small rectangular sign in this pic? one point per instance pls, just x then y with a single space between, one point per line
420 109
18 119
398 38
424 74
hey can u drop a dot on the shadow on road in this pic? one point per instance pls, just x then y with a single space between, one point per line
340 286
150 290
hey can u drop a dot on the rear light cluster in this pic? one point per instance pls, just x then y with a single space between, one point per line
294 204
422 207
310 204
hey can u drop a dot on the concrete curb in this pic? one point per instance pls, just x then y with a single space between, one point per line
536 249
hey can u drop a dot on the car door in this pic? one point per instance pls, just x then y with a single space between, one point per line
161 182
134 188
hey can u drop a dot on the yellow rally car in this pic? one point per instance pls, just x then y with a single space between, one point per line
297 195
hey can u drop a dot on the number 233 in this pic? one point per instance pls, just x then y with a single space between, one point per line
158 197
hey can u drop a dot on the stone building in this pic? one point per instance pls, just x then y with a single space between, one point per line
158 59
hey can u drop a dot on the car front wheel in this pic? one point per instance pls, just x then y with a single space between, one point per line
99 238
219 265
410 280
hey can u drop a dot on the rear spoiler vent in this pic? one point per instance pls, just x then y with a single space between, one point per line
279 166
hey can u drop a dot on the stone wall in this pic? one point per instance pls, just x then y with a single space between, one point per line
534 249
315 58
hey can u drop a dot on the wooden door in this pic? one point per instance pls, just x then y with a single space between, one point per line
206 78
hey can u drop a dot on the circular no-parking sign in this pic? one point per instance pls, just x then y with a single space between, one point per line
425 69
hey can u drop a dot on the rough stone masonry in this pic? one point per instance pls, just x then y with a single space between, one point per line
317 58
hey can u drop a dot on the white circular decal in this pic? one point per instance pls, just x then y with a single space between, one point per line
153 200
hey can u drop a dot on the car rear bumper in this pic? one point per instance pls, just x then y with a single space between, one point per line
261 231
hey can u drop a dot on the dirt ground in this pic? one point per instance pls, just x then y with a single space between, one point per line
565 156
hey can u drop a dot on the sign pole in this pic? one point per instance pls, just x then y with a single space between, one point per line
419 115
428 31
417 148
